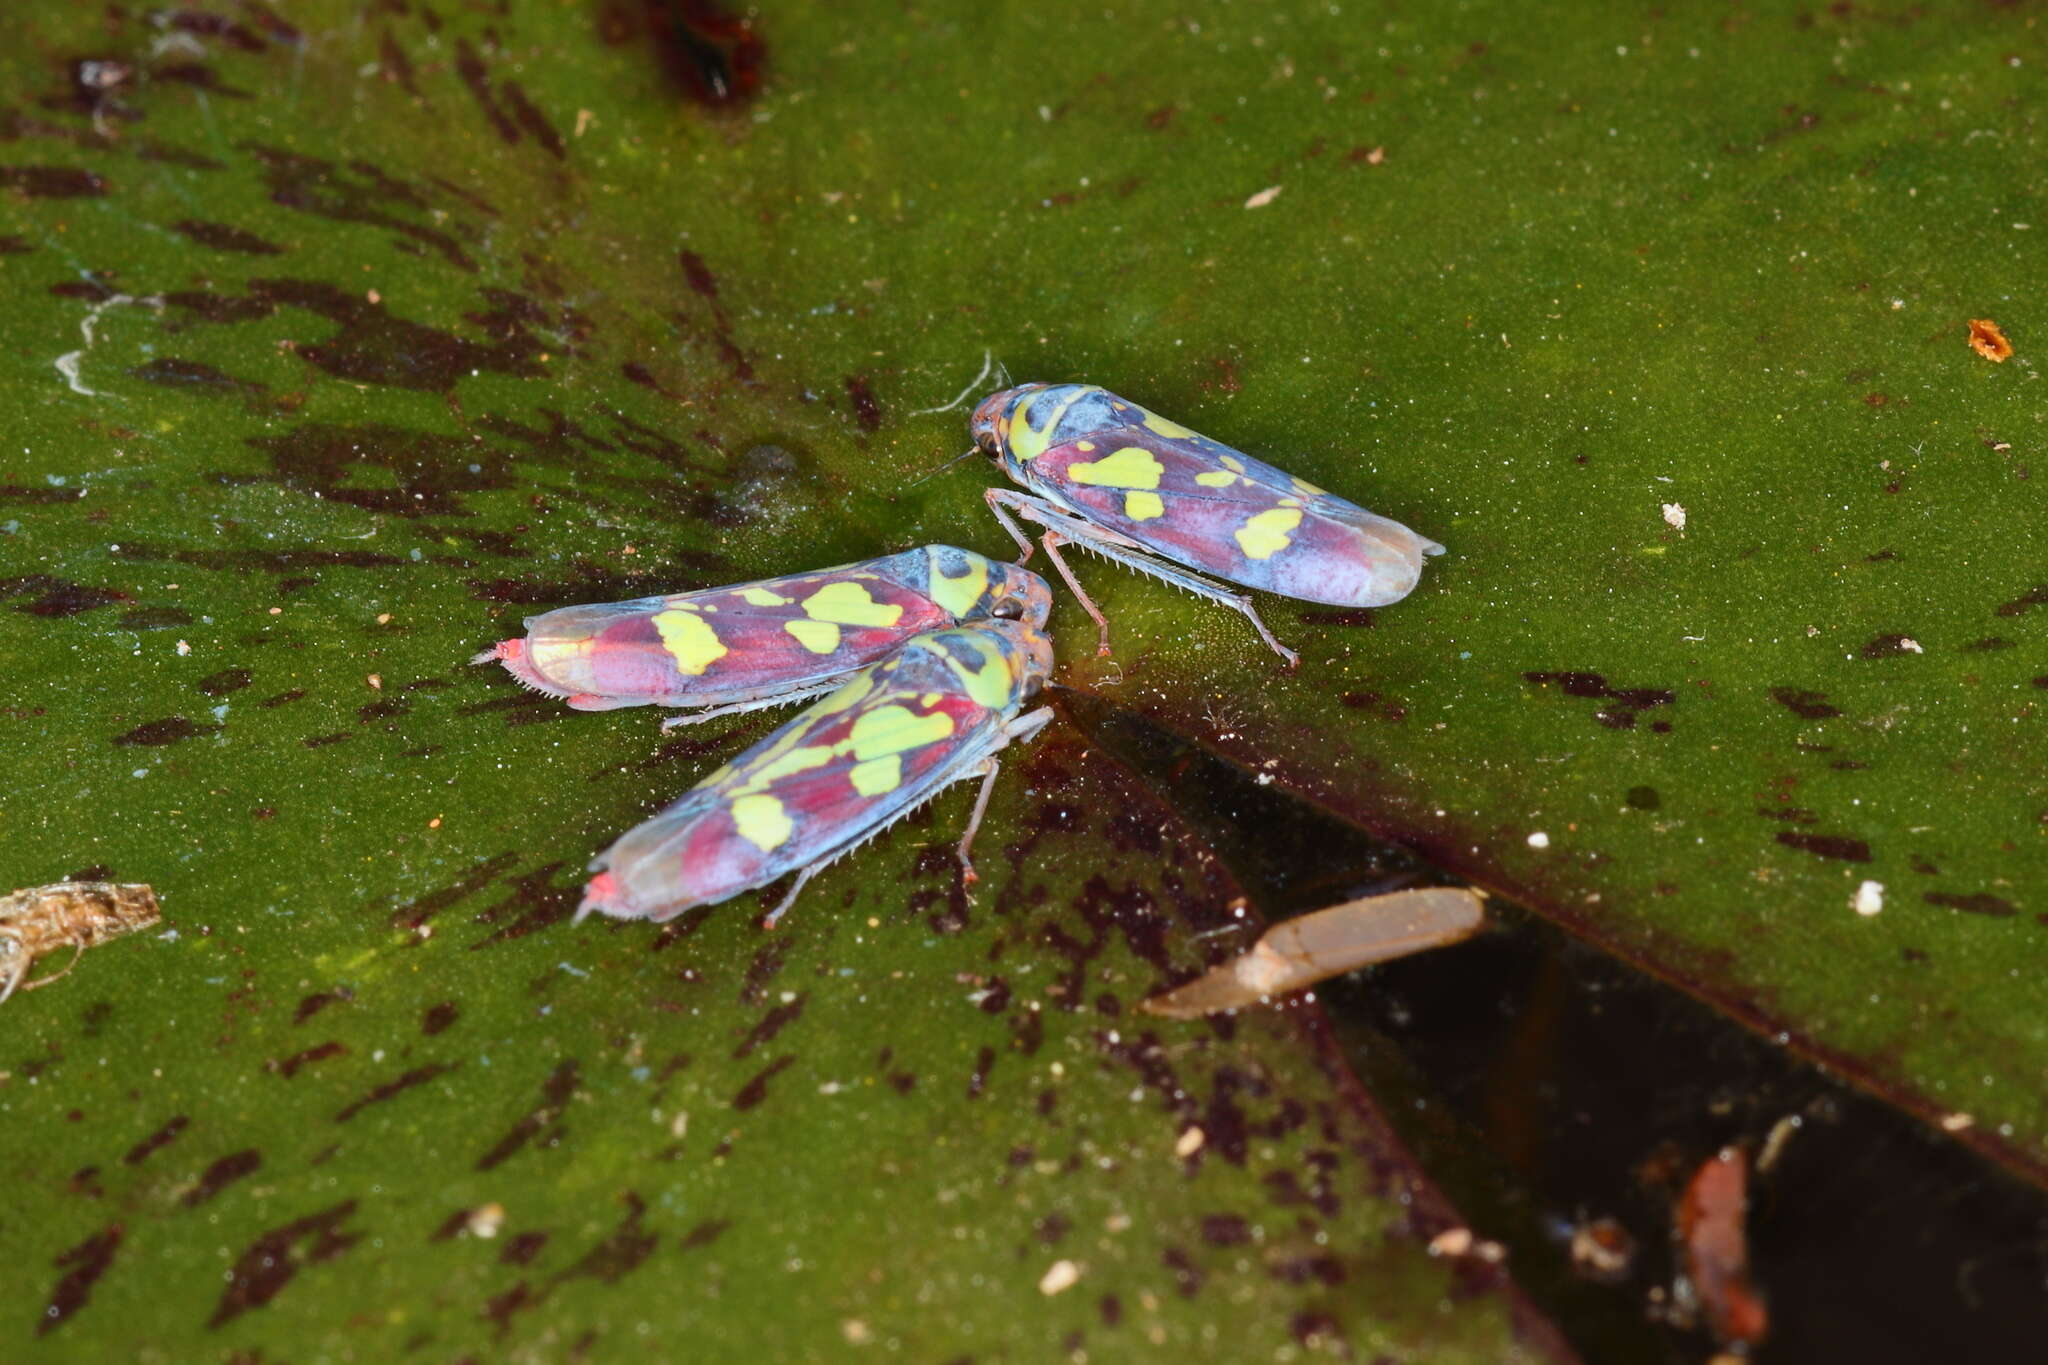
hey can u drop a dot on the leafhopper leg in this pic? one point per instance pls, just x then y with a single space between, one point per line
1066 529
1024 727
803 875
783 698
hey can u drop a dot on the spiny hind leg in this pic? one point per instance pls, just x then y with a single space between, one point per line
1052 540
1181 578
988 768
783 698
1022 728
1045 515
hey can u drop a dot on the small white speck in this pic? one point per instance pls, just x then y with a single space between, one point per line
1674 516
1451 1242
1911 644
1869 898
184 648
1263 197
1063 1275
1190 1142
1539 840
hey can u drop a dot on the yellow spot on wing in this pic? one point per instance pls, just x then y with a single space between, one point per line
1305 488
850 604
549 655
763 597
1131 467
1172 430
878 776
789 765
819 637
1216 478
856 691
958 595
1266 534
1231 463
1142 506
761 821
993 684
689 639
1028 440
892 729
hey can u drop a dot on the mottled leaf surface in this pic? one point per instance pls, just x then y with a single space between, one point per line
338 341
341 340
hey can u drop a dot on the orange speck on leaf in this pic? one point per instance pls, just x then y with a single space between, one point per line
1988 341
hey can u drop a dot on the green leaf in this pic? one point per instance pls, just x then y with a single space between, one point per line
337 345
335 348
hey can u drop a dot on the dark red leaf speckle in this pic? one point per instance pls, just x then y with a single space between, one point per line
1980 903
169 730
275 1258
756 1090
1804 704
162 1137
1887 646
83 1264
52 182
866 410
221 237
222 683
1827 845
223 1173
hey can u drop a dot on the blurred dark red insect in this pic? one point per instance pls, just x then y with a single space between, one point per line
712 51
1713 1241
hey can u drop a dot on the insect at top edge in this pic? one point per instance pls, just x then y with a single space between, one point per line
1103 470
1016 425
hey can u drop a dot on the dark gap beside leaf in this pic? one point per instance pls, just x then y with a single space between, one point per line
1543 1084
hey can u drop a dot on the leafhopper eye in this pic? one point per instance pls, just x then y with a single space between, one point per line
1009 609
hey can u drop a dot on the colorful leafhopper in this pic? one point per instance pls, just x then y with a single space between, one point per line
880 746
1112 477
751 645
